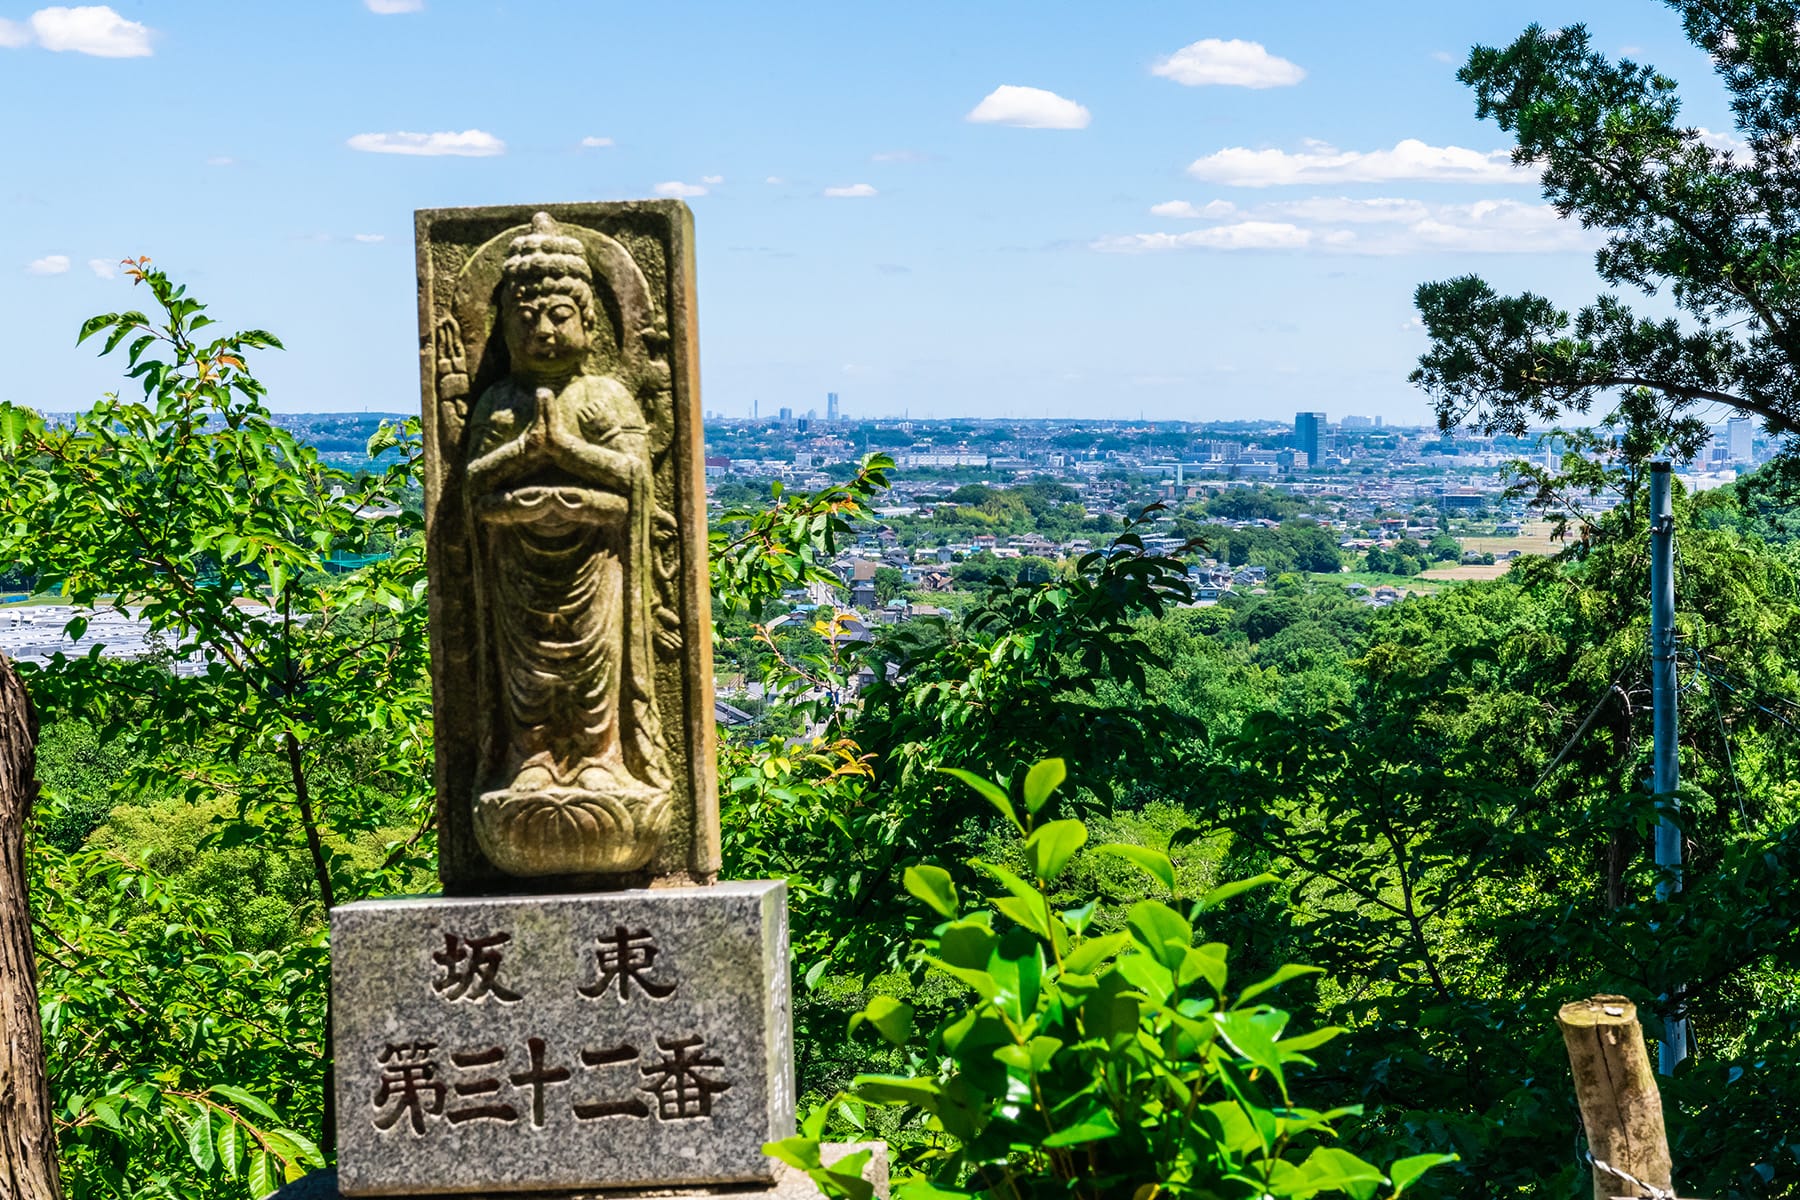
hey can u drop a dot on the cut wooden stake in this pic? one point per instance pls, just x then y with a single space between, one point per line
1620 1105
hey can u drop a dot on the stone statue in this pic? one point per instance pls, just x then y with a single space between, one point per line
547 492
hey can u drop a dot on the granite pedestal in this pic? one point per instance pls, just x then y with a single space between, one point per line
565 1042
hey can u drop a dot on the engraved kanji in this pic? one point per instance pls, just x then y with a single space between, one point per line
626 956
538 1077
409 1086
469 968
680 1090
592 1109
487 1109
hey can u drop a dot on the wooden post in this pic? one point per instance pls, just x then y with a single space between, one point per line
1620 1106
28 1168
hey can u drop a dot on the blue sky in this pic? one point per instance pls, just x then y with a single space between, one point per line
1194 210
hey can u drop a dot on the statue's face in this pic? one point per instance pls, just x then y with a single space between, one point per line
545 332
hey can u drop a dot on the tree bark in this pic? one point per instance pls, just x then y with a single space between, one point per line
28 1168
1620 1105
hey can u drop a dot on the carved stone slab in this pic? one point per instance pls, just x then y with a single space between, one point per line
541 1043
566 533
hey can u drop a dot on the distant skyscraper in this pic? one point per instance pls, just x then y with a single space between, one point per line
831 408
787 414
1310 437
1740 435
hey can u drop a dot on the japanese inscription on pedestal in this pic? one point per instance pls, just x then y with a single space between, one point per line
679 1075
582 1040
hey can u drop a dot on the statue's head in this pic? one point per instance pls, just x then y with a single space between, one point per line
547 311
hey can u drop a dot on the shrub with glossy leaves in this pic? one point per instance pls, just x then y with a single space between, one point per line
1095 1064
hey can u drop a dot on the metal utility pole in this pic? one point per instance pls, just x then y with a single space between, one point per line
1664 777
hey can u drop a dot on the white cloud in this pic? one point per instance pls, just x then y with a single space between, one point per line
1234 63
712 180
13 35
1344 210
1444 56
1381 226
221 160
897 156
90 29
595 143
1243 235
774 179
370 238
470 143
680 190
1187 211
1029 108
1411 159
1722 141
50 264
390 7
851 191
105 268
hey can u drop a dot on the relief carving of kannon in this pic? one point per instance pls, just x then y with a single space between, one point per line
573 562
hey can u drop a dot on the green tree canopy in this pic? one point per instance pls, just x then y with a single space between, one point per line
1709 222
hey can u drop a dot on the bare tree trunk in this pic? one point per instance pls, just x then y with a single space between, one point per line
28 1169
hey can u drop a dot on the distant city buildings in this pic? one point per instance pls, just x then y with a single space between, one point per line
1740 436
1311 437
831 406
1360 423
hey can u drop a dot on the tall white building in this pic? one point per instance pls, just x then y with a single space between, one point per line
1740 436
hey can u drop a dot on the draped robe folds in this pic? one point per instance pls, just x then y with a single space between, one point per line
561 506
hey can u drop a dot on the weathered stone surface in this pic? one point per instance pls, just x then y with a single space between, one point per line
789 1184
566 530
539 1043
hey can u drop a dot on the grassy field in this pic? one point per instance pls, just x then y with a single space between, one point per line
1460 573
1417 584
1535 539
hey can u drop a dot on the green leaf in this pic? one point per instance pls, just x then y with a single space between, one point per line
242 1099
989 791
1329 1169
934 886
264 1176
1404 1171
1226 891
1042 781
1282 975
230 1141
1163 933
891 1018
1153 861
1092 1128
895 1090
1050 846
798 1151
94 325
200 1138
1084 958
1030 912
